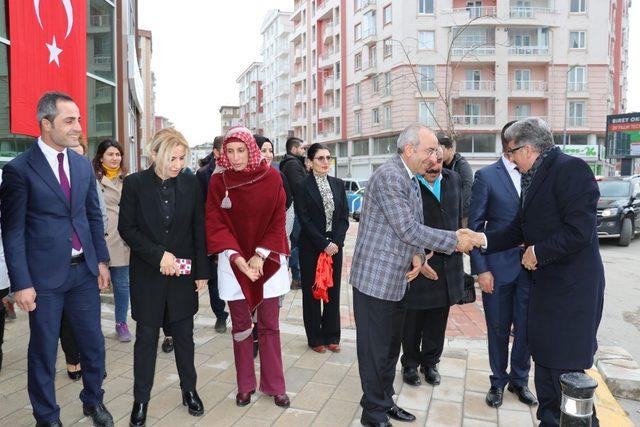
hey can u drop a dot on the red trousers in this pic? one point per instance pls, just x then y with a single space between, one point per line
271 372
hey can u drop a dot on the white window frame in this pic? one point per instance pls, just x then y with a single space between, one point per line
375 116
387 84
386 15
424 44
387 116
357 96
573 117
387 48
357 61
426 111
582 6
426 83
575 84
357 122
422 7
582 39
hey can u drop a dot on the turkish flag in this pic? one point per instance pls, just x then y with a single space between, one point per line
48 53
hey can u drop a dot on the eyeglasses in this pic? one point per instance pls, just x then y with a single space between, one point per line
510 151
322 158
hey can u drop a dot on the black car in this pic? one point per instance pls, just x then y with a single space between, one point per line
619 208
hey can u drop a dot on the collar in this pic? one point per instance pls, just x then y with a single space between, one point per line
48 151
509 165
406 168
425 182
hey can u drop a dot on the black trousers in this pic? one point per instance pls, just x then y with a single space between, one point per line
378 336
549 394
321 321
68 342
3 293
145 352
426 327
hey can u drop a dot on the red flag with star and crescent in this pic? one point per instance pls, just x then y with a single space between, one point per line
48 53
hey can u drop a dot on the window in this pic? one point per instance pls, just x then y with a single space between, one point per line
522 111
387 116
372 56
357 32
357 5
578 6
426 39
577 79
385 145
100 39
375 84
577 116
577 39
361 147
425 6
523 79
357 60
427 77
426 113
357 122
387 47
476 143
369 24
386 15
356 95
343 149
375 116
387 83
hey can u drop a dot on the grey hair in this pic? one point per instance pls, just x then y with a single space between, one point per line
47 105
532 131
410 136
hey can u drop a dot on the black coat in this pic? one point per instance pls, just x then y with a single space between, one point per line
567 293
460 165
310 213
141 228
292 167
445 214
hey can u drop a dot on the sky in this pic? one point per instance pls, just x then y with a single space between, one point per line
200 47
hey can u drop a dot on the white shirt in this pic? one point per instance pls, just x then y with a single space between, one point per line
51 155
411 176
514 174
229 288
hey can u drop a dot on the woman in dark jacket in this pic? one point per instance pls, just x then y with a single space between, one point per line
321 206
162 220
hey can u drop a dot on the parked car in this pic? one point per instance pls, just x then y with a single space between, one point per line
352 185
355 203
619 208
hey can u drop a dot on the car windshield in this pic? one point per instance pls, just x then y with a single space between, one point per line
362 183
614 188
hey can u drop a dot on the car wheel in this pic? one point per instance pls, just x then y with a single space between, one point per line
626 232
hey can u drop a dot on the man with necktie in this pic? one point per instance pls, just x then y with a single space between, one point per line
56 256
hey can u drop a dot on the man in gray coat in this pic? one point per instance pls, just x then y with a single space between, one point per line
389 253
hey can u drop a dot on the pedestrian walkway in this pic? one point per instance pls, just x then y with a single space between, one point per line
324 388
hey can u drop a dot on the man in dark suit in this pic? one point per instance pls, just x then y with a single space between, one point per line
505 284
57 256
557 224
430 296
217 305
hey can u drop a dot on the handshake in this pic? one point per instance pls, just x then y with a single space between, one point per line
467 240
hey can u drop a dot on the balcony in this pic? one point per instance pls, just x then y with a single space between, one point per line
475 12
327 112
368 5
327 59
298 76
298 121
370 70
522 117
299 98
474 121
328 32
369 36
528 88
471 52
529 50
471 88
519 12
328 85
327 135
100 21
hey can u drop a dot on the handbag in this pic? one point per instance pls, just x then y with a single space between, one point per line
469 293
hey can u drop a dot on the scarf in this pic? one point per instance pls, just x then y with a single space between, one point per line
256 218
110 173
244 135
527 178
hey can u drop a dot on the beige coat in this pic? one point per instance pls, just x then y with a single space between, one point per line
118 249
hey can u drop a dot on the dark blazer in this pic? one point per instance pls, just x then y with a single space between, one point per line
460 165
141 228
38 220
204 176
292 167
445 214
310 212
494 204
559 217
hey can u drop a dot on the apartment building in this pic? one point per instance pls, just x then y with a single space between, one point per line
229 117
251 97
276 29
468 67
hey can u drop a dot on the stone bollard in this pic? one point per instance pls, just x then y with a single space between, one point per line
576 409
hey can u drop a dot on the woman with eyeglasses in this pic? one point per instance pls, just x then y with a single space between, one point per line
321 206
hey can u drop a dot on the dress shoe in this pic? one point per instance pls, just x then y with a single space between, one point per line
138 414
319 349
282 400
99 414
296 284
192 401
334 348
399 414
221 325
432 375
494 397
524 395
74 375
374 424
56 423
167 345
243 399
410 376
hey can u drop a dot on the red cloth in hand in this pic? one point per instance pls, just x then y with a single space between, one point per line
324 277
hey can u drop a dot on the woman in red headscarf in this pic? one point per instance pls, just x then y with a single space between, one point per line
246 228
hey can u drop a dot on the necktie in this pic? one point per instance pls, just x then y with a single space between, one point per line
66 189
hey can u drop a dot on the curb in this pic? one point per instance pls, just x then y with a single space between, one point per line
620 371
609 411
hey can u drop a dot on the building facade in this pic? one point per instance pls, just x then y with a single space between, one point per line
197 153
250 97
276 49
229 117
114 82
145 50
